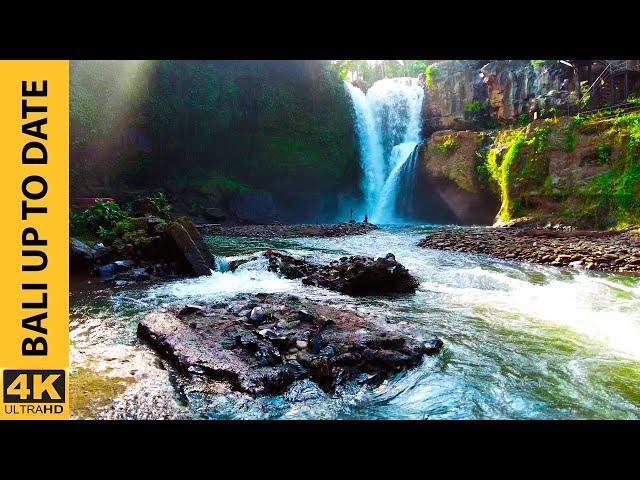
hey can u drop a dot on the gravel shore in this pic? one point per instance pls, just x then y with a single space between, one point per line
590 250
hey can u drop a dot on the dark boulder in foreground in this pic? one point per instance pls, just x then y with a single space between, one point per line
355 275
261 344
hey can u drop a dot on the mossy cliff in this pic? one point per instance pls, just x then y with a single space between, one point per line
261 139
584 171
576 170
450 163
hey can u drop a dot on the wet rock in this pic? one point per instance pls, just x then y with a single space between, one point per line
196 258
234 264
188 309
257 315
355 275
433 345
81 256
121 265
221 345
107 272
101 252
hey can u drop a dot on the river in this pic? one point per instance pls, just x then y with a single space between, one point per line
521 341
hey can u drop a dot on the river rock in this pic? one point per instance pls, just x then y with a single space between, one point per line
188 242
288 231
80 255
234 264
221 345
613 251
356 275
257 315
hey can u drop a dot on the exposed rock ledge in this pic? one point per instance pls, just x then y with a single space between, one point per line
280 231
261 344
585 249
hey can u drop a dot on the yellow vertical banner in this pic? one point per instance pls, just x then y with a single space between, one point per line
34 241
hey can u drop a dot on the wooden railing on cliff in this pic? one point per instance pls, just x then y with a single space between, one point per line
611 88
609 92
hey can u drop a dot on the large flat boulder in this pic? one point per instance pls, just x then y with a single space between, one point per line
261 344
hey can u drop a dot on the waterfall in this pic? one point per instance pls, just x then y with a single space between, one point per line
371 153
388 123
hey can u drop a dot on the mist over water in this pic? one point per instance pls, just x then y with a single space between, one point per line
388 123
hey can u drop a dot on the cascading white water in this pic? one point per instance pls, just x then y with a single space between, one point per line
388 123
371 153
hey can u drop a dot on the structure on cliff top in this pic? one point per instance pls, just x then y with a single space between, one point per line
477 94
609 83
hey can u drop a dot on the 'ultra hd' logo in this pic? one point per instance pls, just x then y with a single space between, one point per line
40 387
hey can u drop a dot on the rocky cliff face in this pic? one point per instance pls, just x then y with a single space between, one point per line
449 166
452 154
572 170
462 94
449 87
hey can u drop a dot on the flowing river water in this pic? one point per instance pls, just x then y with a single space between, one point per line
521 341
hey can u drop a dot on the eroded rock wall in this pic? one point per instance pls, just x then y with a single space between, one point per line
477 94
449 166
570 170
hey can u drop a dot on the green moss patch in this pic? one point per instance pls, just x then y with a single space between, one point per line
90 392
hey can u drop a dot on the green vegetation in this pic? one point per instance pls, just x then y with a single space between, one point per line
541 63
482 169
478 114
604 153
524 120
96 220
448 145
516 160
476 106
431 75
108 222
517 164
613 198
369 71
219 185
202 130
570 138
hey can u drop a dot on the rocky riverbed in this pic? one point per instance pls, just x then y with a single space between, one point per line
260 344
591 250
288 231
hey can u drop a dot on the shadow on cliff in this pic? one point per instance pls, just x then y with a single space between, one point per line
440 200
